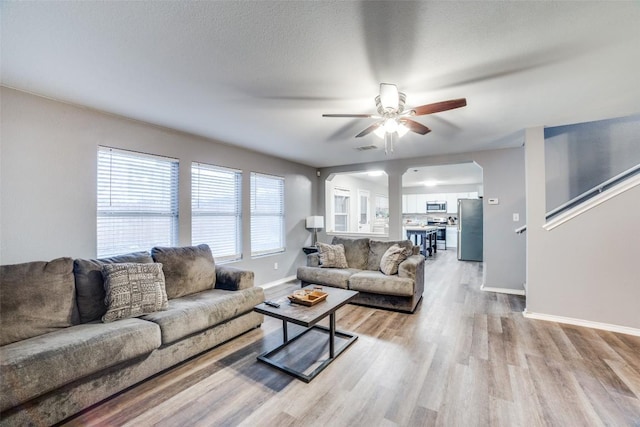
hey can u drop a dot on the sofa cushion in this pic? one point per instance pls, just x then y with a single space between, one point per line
377 248
37 365
36 298
133 290
90 285
197 312
356 251
187 270
332 256
377 282
392 259
338 278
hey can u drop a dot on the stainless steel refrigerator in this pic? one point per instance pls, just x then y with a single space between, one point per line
470 229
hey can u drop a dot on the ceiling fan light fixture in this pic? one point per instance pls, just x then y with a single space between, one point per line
402 130
390 125
389 97
380 132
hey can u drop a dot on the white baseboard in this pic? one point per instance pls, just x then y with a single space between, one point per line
503 290
586 323
278 282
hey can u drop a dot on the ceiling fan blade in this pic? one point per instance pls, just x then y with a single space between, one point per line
437 107
363 116
370 129
415 126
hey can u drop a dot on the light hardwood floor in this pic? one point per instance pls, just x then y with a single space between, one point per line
465 358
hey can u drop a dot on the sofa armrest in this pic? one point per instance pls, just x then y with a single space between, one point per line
313 260
233 279
409 267
413 268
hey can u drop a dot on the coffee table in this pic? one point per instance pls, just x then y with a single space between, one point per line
308 317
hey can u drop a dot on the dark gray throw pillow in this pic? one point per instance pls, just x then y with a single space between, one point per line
187 270
36 298
90 285
355 250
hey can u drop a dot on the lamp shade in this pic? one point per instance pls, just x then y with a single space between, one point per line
315 222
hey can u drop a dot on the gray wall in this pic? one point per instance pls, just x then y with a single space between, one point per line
48 181
579 157
586 268
503 176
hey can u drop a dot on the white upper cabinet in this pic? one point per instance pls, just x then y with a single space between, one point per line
417 203
421 203
410 205
452 202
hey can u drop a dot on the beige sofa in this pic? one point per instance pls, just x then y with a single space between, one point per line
401 291
56 355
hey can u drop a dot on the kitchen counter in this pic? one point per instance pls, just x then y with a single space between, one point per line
424 236
421 227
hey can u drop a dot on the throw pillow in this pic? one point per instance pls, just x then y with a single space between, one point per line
187 270
90 285
356 251
133 290
332 256
36 298
392 259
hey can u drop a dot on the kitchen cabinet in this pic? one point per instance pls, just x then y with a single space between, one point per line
452 236
452 200
421 202
417 203
452 203
410 203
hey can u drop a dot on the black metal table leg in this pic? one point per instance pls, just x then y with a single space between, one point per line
332 335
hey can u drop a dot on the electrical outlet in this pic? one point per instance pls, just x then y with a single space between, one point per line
275 265
516 217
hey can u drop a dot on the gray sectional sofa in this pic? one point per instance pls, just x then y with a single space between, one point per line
401 291
57 357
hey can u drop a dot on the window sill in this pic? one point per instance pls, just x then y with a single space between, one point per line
341 234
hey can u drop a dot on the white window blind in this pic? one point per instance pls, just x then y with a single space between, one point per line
341 209
216 210
137 202
267 214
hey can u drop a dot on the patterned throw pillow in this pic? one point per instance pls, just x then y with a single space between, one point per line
332 256
133 290
392 259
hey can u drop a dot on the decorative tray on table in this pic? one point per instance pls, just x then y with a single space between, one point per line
308 297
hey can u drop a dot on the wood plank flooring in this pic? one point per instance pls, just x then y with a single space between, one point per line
465 358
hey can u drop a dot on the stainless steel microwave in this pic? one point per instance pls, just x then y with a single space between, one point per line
436 206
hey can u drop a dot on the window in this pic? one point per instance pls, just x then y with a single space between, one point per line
267 214
341 209
364 223
381 222
137 201
382 207
216 210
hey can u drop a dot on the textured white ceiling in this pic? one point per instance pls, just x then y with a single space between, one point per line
450 174
260 74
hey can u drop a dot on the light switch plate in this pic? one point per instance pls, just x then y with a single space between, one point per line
516 217
494 201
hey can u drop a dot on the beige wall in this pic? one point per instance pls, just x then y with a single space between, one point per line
48 181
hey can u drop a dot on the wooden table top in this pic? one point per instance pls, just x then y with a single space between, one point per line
304 315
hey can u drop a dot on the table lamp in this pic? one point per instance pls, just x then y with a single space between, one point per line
315 223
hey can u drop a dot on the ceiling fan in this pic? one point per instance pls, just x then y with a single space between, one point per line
394 119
